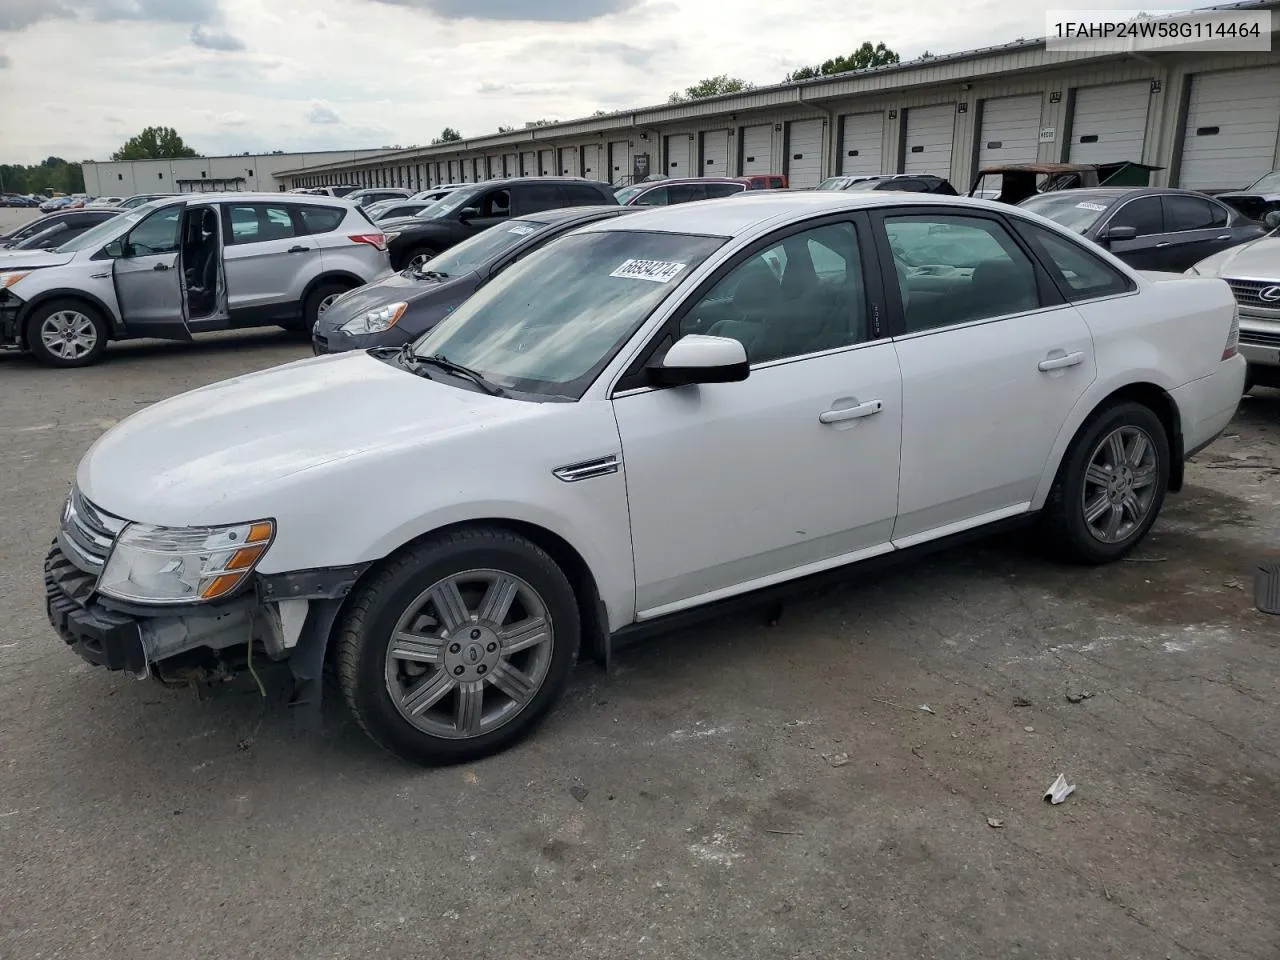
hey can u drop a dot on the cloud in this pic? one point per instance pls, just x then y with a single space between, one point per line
322 113
17 14
5 61
553 11
215 39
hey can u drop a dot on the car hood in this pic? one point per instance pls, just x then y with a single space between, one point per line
397 287
32 259
1248 195
245 448
1259 259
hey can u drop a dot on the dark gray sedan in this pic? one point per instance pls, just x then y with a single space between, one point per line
1149 228
402 307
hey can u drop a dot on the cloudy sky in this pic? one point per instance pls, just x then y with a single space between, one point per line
78 77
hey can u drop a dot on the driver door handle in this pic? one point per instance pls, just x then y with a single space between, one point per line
1225 236
161 266
1057 363
1162 244
851 413
299 249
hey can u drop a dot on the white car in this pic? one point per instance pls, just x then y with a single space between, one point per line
651 414
1253 272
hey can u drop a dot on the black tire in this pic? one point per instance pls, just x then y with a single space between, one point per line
311 306
410 255
1249 380
390 591
1064 520
36 321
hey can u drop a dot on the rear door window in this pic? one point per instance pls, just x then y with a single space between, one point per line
722 189
1189 213
653 198
1080 274
319 219
259 222
535 197
580 195
687 192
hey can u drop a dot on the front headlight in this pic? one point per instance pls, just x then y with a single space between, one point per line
7 280
183 565
376 321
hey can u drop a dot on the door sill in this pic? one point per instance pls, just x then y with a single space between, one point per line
960 526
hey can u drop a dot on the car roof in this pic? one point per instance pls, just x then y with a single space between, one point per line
733 216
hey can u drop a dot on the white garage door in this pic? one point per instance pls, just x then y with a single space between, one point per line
453 171
930 131
1109 123
495 166
510 165
757 149
804 153
1010 130
593 163
619 162
862 149
546 163
528 164
569 161
1232 124
679 161
715 153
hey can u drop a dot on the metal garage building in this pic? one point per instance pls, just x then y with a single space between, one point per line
1210 120
241 171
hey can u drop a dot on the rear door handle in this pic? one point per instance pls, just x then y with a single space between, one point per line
1057 363
851 413
299 249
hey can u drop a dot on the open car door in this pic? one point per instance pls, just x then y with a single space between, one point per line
148 277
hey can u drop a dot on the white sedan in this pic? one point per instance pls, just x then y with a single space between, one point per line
647 416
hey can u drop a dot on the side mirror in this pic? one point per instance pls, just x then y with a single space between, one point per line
115 249
1272 220
1115 234
697 358
468 213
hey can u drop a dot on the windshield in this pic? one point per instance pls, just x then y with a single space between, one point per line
106 231
451 201
1269 183
1073 209
482 248
551 322
834 183
626 193
865 184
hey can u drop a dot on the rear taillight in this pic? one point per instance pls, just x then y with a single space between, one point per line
376 240
1233 336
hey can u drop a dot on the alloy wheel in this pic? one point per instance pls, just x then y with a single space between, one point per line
68 334
469 653
1120 486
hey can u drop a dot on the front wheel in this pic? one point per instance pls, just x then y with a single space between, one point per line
456 649
318 301
1111 485
67 333
418 258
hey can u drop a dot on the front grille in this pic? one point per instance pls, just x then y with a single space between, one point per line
1259 338
88 533
1249 292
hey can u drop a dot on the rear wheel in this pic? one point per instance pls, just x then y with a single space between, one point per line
1111 485
456 649
67 333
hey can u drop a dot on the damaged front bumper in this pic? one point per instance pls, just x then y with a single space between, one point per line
285 618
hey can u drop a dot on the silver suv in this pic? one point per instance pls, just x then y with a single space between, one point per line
180 266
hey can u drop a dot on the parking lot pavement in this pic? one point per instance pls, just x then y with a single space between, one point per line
13 217
720 816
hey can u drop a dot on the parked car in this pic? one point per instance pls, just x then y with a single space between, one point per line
372 195
653 414
435 193
905 182
105 202
75 222
56 203
1150 228
16 200
177 267
1252 270
341 190
405 305
1256 200
765 181
1015 182
679 190
138 199
842 182
69 226
477 206
392 209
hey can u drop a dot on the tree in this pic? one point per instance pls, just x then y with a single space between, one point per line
506 129
600 113
53 174
447 135
863 58
712 87
154 143
538 123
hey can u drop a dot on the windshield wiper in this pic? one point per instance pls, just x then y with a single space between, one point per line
444 363
431 274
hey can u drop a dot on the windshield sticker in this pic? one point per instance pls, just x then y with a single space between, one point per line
521 230
659 271
1099 207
